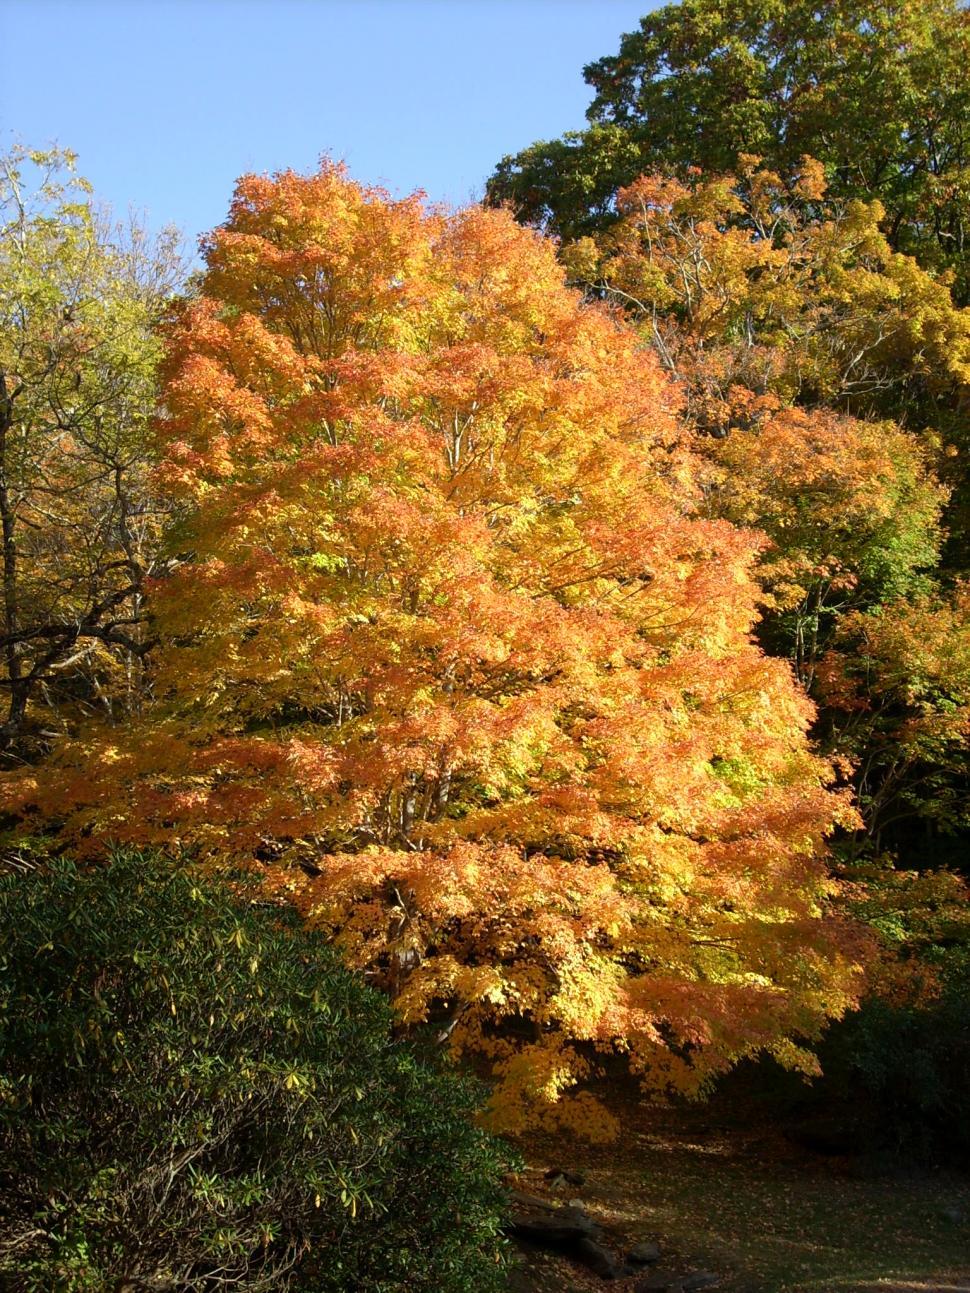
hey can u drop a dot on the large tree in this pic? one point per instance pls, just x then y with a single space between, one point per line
455 657
876 89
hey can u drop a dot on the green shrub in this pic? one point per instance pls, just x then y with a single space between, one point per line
195 1095
902 1061
909 1068
895 1082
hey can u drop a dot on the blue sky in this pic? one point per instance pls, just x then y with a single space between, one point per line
167 101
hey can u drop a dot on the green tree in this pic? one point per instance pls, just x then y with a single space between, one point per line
79 301
876 89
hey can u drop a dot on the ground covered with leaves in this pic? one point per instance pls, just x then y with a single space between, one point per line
722 1189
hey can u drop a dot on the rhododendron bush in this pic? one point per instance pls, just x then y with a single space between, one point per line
455 657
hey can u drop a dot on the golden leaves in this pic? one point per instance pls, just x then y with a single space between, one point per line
456 643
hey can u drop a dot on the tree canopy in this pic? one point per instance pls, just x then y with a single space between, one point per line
454 655
875 89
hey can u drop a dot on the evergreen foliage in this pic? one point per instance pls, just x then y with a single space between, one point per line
195 1095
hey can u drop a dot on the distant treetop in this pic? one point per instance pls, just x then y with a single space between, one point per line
876 89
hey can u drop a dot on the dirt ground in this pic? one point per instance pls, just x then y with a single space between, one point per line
723 1190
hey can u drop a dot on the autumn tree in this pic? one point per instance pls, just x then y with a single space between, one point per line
456 658
781 312
770 283
777 196
79 298
897 690
876 89
878 638
850 506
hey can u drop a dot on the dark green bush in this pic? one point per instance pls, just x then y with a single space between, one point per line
195 1095
895 1081
907 1069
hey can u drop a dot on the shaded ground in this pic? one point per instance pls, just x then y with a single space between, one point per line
722 1193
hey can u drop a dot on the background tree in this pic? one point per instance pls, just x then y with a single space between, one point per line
850 507
876 89
771 283
780 311
458 658
79 299
897 691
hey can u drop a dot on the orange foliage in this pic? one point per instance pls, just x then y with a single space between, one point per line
851 508
756 281
899 682
457 659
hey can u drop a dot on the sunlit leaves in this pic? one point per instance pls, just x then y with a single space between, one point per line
79 298
458 658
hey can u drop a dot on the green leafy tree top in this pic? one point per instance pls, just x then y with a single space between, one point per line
876 89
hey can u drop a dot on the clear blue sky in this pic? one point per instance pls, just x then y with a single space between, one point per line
167 101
